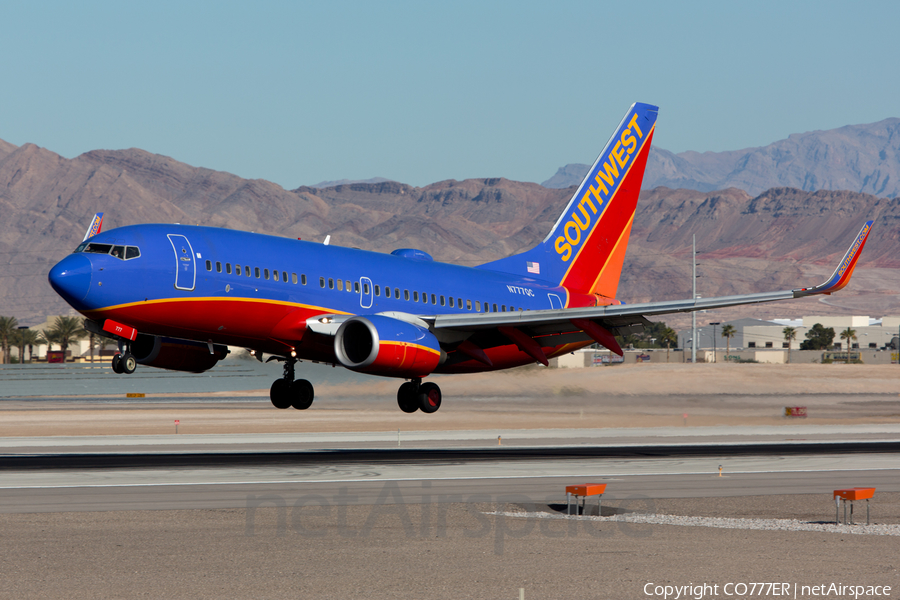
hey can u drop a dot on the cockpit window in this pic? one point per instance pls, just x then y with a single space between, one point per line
120 252
98 248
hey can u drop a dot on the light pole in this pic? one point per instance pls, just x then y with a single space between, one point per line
694 298
715 347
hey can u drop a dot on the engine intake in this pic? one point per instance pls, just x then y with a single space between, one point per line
381 345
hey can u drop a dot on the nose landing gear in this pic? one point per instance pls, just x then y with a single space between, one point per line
286 392
415 395
124 361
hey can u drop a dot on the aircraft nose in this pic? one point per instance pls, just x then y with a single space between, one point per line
71 278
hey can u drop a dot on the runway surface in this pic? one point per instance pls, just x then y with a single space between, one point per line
181 477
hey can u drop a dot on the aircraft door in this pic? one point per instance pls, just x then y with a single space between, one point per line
555 302
365 292
185 270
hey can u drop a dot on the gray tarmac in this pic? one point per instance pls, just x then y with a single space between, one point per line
403 523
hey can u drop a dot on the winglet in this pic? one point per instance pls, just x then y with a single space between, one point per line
94 228
841 275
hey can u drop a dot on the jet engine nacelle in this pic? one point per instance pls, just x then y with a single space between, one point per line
176 355
381 345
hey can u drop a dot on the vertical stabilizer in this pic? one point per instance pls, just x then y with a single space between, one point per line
95 226
586 248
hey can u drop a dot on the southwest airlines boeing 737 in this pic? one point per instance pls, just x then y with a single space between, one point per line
176 296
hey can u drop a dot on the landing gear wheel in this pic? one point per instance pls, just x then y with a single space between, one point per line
279 394
406 397
302 394
117 364
128 363
429 397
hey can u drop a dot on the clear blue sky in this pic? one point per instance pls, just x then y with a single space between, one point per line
297 92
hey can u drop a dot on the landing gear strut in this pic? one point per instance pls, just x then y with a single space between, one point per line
286 392
415 395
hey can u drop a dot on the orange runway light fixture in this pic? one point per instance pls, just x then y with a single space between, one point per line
851 495
583 491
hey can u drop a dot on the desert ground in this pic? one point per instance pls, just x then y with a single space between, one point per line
638 395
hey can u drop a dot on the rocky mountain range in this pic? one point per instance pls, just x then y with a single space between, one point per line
859 158
780 238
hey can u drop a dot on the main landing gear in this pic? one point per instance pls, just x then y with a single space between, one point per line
415 395
124 361
286 392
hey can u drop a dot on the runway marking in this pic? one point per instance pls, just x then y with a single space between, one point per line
618 477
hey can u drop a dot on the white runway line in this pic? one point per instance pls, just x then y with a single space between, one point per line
376 478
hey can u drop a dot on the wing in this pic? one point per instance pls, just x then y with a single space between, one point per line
532 330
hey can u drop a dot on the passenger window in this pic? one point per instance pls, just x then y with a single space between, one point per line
377 290
247 271
330 283
348 286
218 267
502 308
303 279
340 285
433 299
256 272
322 282
228 268
294 278
284 277
275 275
477 306
356 287
451 301
406 294
132 252
415 296
442 300
468 305
494 308
366 288
237 270
265 273
209 265
397 293
459 303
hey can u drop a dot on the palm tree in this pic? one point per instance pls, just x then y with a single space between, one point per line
728 332
848 334
669 337
28 337
790 334
8 327
64 331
